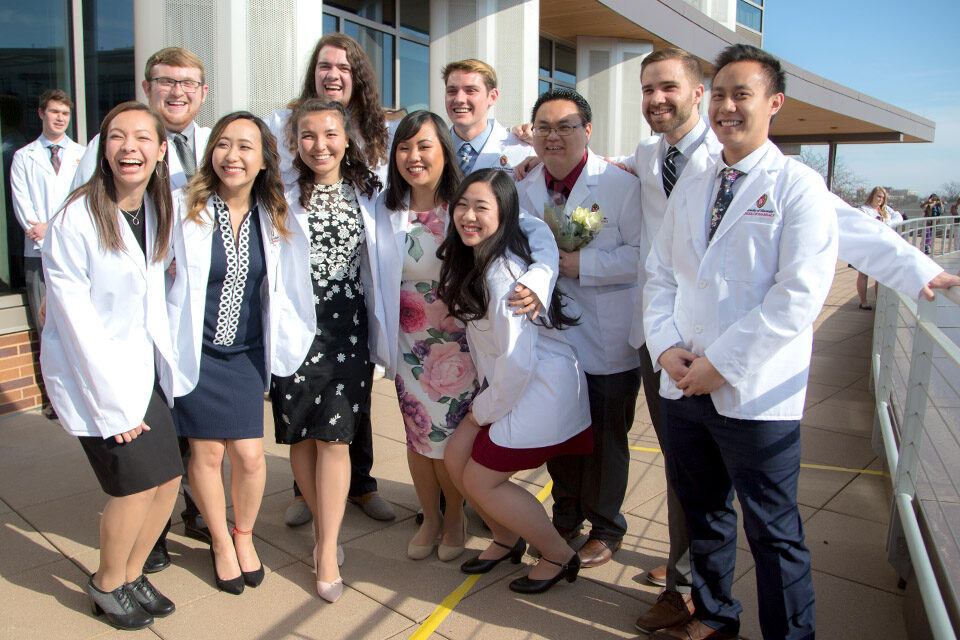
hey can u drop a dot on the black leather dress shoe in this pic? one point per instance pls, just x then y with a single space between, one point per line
481 565
194 527
152 601
159 559
119 606
568 572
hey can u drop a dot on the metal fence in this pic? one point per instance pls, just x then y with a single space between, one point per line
916 377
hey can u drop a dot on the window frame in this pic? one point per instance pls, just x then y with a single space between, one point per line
551 78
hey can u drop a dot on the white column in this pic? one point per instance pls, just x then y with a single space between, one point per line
608 76
504 34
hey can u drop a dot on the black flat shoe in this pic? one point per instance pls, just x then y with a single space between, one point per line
233 585
159 559
478 565
152 601
119 606
568 571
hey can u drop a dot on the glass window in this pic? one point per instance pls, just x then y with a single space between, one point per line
546 57
749 15
329 24
558 64
379 47
543 87
566 66
415 18
414 75
108 66
381 11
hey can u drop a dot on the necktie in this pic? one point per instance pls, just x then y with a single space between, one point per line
724 196
55 157
558 192
670 170
185 153
467 157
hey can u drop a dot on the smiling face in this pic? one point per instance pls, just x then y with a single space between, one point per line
476 214
322 142
55 118
560 154
132 149
333 76
878 200
670 99
420 159
468 101
741 106
177 108
238 158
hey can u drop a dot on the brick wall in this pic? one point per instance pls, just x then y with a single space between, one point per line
21 386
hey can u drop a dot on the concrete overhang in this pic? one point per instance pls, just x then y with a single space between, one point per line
817 110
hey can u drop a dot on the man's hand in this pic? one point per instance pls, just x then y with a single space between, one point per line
521 170
524 132
570 264
676 362
943 281
701 379
524 301
36 231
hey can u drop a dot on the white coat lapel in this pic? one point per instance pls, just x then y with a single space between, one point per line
133 251
489 156
581 194
694 205
537 191
755 184
157 323
271 243
41 156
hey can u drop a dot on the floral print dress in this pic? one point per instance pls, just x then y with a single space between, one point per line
436 379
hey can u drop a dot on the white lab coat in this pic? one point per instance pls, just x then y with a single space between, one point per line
284 350
893 216
748 299
36 189
878 252
392 227
605 293
107 331
536 394
298 325
502 150
177 177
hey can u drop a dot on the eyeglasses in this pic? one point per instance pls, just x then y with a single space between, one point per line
542 131
167 84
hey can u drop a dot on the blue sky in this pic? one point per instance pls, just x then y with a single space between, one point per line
906 53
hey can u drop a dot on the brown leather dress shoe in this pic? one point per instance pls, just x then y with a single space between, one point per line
692 630
597 552
671 609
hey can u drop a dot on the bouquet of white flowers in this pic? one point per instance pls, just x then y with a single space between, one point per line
574 232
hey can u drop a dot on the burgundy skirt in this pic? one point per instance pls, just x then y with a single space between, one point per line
497 458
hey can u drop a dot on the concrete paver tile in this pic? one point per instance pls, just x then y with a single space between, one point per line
861 558
23 546
852 420
71 523
867 496
34 479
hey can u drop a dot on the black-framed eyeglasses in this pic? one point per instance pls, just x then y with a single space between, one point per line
188 86
542 131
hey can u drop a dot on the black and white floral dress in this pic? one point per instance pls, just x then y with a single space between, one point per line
323 400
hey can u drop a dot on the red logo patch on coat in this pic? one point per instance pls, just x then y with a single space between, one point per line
595 207
503 161
762 201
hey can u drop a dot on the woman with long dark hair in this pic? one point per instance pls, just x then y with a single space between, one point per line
318 409
107 352
532 404
232 237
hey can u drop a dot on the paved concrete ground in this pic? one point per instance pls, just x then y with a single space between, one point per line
50 502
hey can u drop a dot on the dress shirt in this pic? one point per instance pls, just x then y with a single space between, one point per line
477 142
687 145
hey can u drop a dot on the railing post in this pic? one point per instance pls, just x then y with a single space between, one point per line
884 339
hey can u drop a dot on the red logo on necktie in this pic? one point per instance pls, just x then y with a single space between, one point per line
762 201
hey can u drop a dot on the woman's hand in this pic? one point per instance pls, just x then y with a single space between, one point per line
128 436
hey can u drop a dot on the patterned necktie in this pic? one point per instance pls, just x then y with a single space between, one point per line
467 157
55 157
724 196
185 153
670 170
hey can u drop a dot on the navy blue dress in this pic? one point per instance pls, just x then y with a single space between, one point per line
227 402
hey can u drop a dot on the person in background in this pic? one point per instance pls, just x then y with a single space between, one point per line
932 208
877 208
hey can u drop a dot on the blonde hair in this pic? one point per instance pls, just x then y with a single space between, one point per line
472 65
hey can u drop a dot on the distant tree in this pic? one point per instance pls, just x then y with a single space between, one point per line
949 192
845 181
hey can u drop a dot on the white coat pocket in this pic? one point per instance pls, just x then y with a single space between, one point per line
751 251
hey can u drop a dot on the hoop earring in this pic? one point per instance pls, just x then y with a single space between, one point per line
156 169
104 169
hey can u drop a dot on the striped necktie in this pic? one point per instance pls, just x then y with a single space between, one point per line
670 169
724 197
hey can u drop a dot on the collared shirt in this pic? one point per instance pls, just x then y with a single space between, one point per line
570 179
746 165
687 145
188 131
477 142
46 142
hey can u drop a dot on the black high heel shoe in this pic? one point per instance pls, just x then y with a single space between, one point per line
568 571
479 565
233 585
250 578
120 607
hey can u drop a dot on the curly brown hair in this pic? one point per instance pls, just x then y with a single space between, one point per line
365 106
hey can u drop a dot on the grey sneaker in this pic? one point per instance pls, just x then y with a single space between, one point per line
297 513
374 506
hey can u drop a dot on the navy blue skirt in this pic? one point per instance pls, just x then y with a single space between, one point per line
227 403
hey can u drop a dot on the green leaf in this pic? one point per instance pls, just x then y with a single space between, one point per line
437 436
423 288
417 372
409 358
439 335
454 406
433 341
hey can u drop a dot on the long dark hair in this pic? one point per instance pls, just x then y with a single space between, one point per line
353 166
397 187
463 285
267 186
101 193
364 99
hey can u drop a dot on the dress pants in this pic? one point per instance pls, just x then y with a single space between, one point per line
36 288
593 486
708 456
678 560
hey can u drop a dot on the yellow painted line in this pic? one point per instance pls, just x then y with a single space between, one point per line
823 467
444 608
